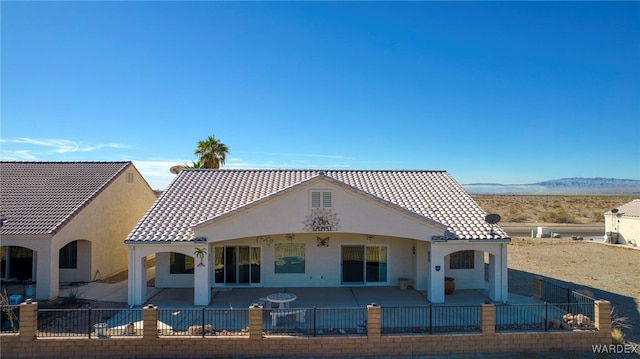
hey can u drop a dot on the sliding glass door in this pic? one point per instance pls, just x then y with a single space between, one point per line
237 265
364 264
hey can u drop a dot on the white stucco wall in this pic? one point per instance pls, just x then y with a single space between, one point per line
628 228
322 264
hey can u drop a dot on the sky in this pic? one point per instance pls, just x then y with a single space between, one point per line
499 92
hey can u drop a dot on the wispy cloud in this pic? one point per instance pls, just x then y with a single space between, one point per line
19 155
156 172
64 146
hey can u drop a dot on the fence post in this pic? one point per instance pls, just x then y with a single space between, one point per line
89 322
546 317
28 321
602 313
150 322
255 322
204 331
315 321
373 320
488 319
537 288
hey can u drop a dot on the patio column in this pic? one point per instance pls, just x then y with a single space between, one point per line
137 285
504 278
435 292
201 286
47 273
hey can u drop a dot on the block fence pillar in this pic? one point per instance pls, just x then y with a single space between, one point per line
374 321
602 314
537 288
28 321
150 322
488 319
255 322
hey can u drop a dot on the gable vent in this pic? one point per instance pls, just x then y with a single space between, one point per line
321 199
326 199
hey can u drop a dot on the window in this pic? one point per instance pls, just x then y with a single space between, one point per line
181 264
129 177
69 256
289 258
462 260
321 199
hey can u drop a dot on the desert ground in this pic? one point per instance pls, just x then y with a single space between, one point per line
610 272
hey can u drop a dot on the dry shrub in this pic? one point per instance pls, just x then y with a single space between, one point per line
618 323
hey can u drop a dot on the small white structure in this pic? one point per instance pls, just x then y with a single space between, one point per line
625 222
312 228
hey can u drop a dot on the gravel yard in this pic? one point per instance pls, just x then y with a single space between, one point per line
607 272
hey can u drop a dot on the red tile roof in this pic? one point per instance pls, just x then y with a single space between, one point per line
196 196
40 197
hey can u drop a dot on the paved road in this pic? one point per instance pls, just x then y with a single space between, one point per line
565 230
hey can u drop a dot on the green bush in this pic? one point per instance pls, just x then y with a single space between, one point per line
561 216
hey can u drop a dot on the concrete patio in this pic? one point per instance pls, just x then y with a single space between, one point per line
240 297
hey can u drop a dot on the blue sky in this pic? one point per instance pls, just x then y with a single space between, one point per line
507 92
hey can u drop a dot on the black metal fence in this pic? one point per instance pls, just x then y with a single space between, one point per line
544 316
521 317
315 321
10 318
87 322
430 319
203 322
569 303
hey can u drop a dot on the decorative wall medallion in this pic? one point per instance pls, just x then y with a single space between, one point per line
264 239
321 220
290 237
370 237
323 242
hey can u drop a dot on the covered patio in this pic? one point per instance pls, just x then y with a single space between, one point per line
324 297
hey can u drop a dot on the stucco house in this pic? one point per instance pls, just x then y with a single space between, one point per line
65 221
314 228
625 221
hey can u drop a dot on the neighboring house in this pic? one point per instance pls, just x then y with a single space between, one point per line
312 228
625 222
65 221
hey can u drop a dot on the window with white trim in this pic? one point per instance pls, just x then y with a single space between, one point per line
321 199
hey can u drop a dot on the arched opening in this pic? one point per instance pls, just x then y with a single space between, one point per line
74 262
466 267
17 263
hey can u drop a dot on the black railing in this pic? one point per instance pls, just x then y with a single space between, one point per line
10 318
553 293
315 321
89 322
405 320
455 318
203 322
543 317
521 317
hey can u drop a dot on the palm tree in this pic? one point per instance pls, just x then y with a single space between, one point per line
212 153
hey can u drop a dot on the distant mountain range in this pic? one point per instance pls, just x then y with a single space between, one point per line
576 185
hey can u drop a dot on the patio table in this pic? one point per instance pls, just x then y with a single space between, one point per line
283 299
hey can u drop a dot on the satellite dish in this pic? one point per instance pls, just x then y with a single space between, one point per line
614 211
492 218
175 169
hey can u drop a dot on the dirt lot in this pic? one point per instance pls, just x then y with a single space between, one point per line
607 272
